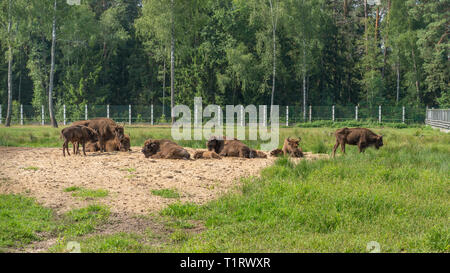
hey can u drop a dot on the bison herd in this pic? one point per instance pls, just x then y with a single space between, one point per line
104 135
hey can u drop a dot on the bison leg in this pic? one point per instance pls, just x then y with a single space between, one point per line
343 147
64 148
84 148
335 148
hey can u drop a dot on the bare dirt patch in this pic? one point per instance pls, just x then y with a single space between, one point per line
128 177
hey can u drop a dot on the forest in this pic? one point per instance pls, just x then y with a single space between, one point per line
166 52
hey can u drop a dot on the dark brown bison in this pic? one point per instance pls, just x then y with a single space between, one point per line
290 148
257 154
206 155
228 147
164 148
77 134
112 145
362 137
107 129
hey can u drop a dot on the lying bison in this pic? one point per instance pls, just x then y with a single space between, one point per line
77 134
111 145
164 148
107 129
357 136
206 155
290 148
228 147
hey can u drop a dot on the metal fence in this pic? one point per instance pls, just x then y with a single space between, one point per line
439 118
153 114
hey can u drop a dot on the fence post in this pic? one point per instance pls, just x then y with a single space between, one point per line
379 114
242 116
107 111
332 112
356 112
42 117
0 114
310 113
129 114
21 114
64 109
265 115
85 112
218 115
151 113
287 116
403 114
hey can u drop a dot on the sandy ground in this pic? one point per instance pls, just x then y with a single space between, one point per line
129 177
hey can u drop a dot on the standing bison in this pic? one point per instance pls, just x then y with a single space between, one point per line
77 134
107 130
357 136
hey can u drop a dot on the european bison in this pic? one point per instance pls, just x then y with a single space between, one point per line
106 128
77 134
112 145
164 148
257 154
290 148
228 147
362 137
206 155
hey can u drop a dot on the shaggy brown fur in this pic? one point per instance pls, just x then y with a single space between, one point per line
206 155
228 147
291 148
112 145
164 148
276 152
77 134
106 128
362 137
257 154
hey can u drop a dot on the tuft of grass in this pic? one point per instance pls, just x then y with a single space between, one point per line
130 170
31 168
79 222
180 210
166 193
22 220
86 193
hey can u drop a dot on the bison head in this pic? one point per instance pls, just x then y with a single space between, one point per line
92 134
119 132
379 142
150 148
125 144
293 143
215 144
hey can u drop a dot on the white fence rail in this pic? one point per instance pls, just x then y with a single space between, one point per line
439 118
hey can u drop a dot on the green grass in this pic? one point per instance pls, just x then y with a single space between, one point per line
398 196
31 168
86 193
22 221
166 193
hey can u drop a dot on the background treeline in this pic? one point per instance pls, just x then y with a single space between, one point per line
293 52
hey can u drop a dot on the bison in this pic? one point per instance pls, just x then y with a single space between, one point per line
362 137
164 148
77 134
206 155
290 148
112 145
107 129
228 147
257 154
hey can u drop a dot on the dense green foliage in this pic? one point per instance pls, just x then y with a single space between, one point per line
118 52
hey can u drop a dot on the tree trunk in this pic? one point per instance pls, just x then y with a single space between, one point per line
416 73
365 25
398 80
274 29
52 72
304 82
386 40
172 63
164 86
10 59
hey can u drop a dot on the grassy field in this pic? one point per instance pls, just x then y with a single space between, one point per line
398 196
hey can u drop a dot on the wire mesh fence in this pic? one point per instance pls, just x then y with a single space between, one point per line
153 114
